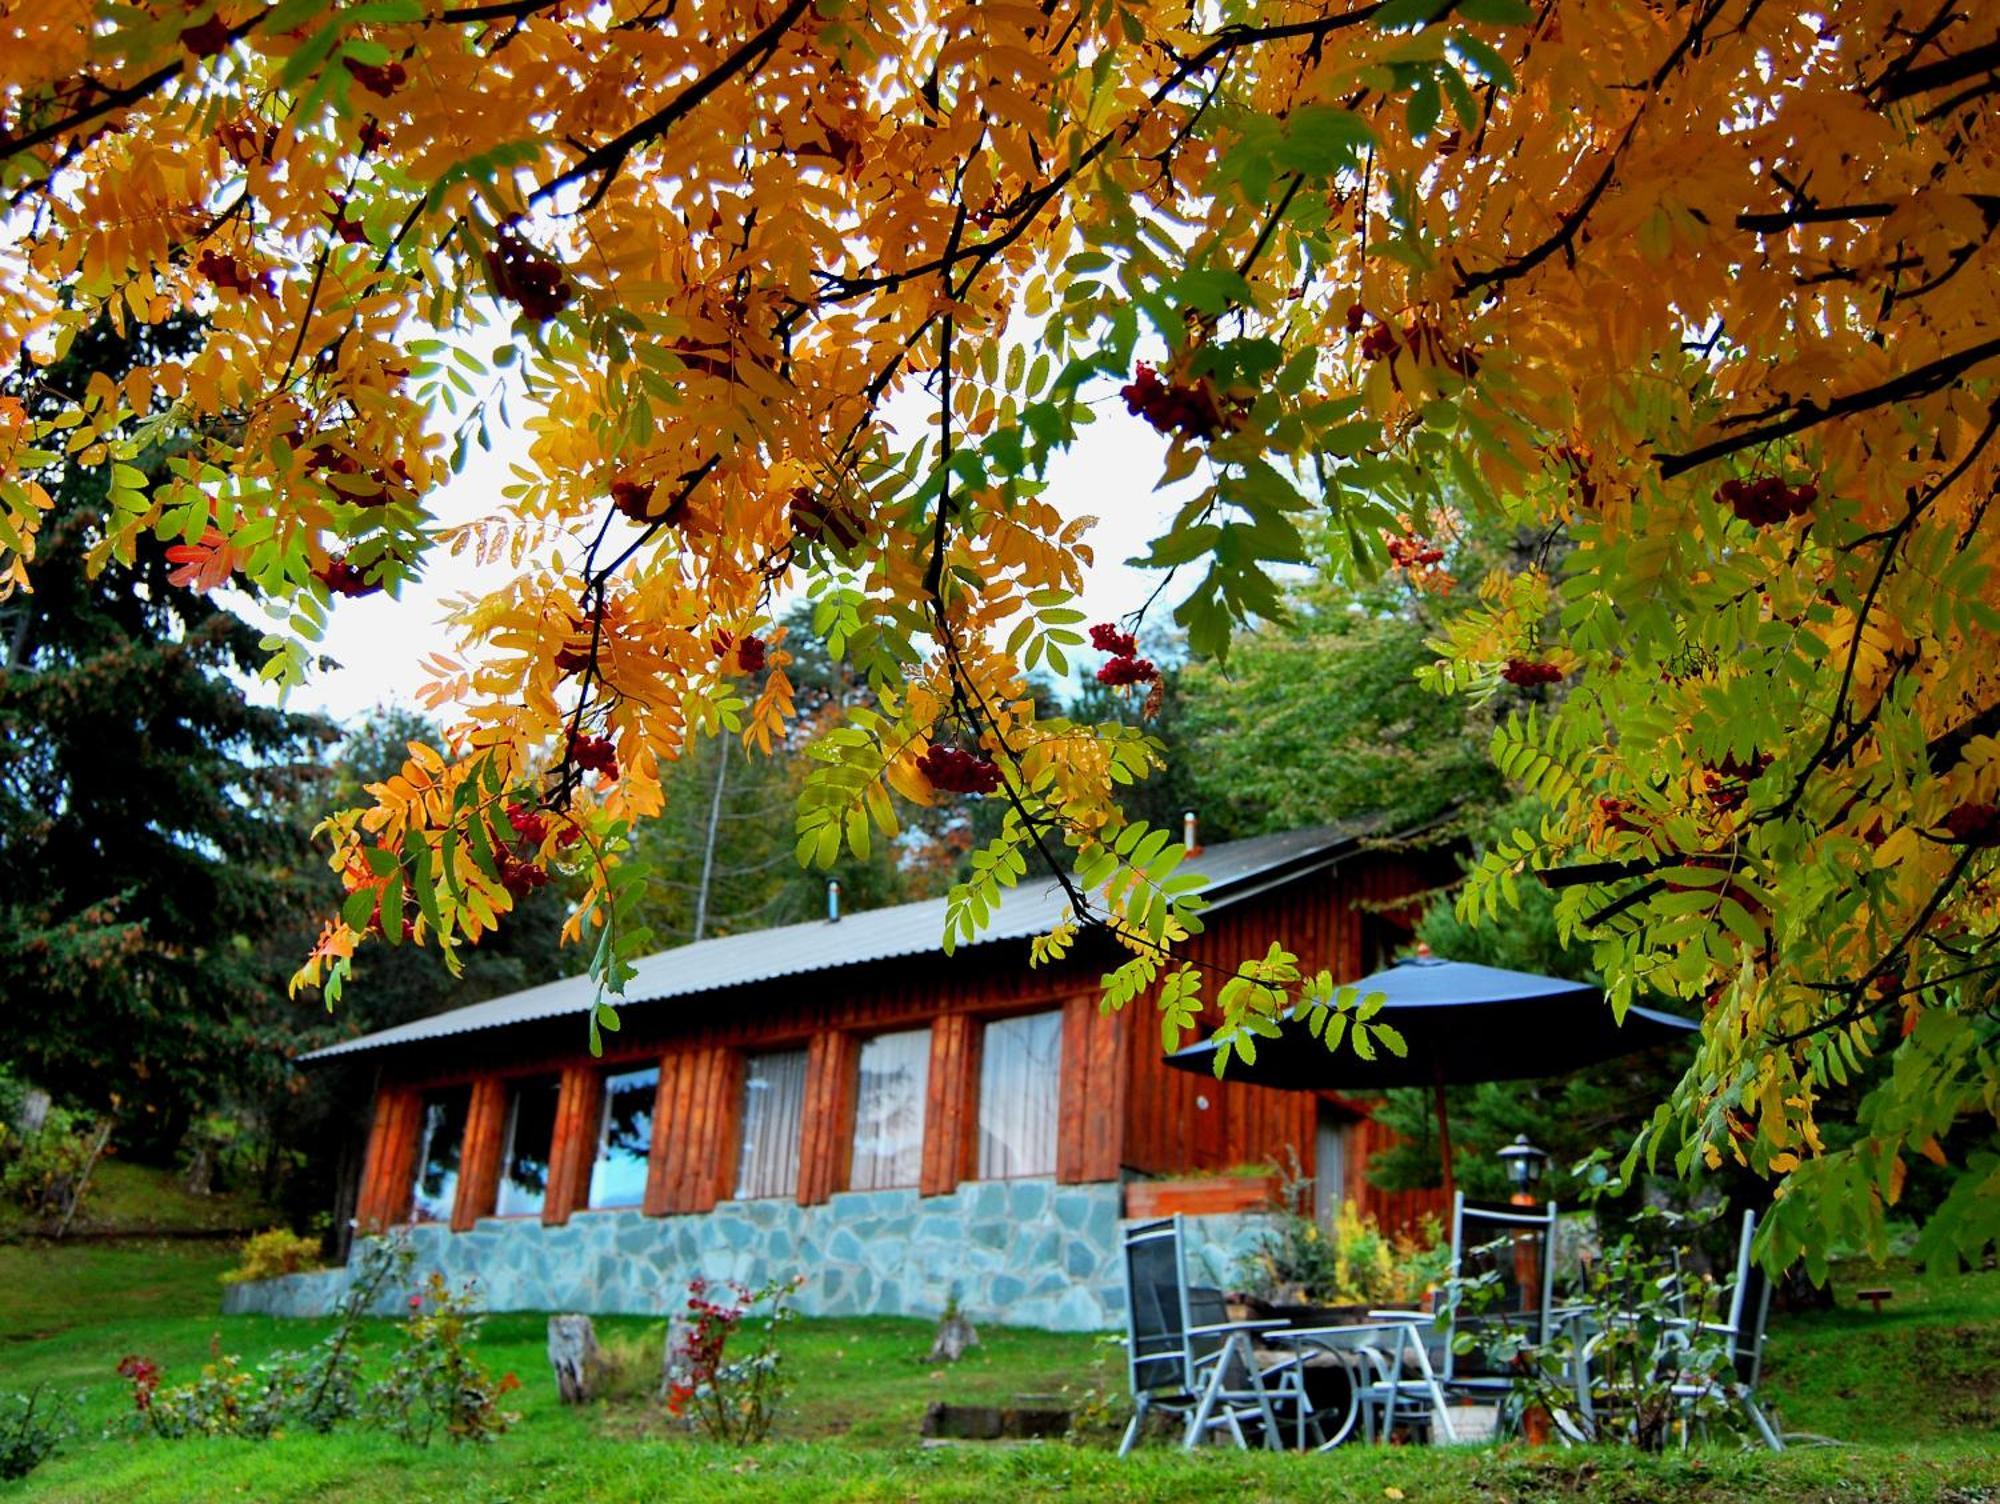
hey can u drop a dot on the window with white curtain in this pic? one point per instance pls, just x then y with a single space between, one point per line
889 1110
1020 1082
774 1099
624 1138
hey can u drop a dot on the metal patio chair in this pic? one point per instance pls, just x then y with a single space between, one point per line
1512 1248
1185 1356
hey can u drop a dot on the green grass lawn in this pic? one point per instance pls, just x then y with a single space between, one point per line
129 1200
67 1316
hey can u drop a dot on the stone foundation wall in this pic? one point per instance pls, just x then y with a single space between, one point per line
1015 1252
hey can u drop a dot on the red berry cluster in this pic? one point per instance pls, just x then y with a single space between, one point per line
750 655
594 754
1526 672
521 274
1974 824
230 275
572 658
206 38
347 231
342 578
1106 638
519 876
531 825
958 771
379 79
374 135
1125 666
1744 769
1423 339
1412 552
632 498
1767 501
334 459
1186 409
814 519
241 140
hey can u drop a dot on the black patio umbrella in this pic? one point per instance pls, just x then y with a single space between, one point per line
1462 1023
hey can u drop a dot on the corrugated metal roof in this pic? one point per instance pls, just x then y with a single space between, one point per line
909 929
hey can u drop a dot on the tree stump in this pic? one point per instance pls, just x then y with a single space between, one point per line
675 1370
573 1354
954 1336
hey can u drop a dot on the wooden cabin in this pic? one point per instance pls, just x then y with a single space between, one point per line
849 1073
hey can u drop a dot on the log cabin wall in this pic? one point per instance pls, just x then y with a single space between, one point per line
1121 1108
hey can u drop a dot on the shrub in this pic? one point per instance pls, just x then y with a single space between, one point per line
434 1383
275 1252
48 1171
733 1399
32 1426
1356 1263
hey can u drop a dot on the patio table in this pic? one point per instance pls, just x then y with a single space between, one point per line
1368 1353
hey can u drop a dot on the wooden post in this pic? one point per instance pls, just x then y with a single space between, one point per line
1094 1076
389 1174
951 1105
579 1108
826 1145
693 1160
479 1156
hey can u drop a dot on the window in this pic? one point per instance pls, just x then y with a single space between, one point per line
889 1111
439 1143
774 1099
524 1152
1020 1077
624 1139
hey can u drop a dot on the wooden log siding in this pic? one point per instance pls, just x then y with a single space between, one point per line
951 1105
693 1161
479 1156
388 1176
579 1109
827 1145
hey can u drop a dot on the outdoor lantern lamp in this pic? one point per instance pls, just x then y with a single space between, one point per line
1525 1164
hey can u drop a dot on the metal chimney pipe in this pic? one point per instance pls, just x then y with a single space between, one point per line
1190 832
833 900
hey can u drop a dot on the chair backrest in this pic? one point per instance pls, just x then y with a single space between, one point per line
1516 1246
1749 1308
1156 1308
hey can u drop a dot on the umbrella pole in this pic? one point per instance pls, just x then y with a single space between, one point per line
1444 1139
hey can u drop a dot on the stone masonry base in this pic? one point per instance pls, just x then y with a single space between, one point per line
1014 1252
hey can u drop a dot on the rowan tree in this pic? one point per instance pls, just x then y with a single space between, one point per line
1711 285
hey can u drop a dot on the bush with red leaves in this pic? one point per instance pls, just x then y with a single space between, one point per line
594 754
1189 409
342 578
750 655
523 275
1974 824
379 79
145 1376
1767 501
1106 638
958 771
1525 672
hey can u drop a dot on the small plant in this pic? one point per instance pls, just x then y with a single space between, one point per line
47 1172
733 1399
434 1383
275 1252
1355 1263
32 1426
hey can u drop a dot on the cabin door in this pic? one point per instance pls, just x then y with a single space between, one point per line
1333 1138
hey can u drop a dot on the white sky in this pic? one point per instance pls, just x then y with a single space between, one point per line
379 643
